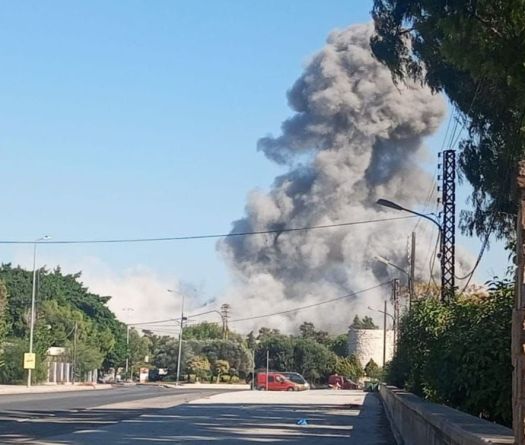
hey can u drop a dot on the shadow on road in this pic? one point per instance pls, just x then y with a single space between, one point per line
207 423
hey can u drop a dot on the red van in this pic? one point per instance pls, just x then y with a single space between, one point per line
276 382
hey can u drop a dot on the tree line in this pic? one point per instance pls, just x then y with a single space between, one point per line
69 316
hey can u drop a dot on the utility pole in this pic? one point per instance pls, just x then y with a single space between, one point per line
448 226
518 320
225 315
74 354
180 339
253 368
267 367
412 282
127 351
395 302
384 336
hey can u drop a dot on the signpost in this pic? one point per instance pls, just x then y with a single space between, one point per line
29 360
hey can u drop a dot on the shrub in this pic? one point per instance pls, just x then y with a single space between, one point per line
459 353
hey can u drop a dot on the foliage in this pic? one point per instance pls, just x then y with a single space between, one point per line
474 51
365 323
349 367
67 315
203 331
281 352
372 370
199 366
221 367
307 330
459 354
339 345
313 360
12 371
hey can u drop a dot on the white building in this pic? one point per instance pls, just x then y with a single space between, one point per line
367 344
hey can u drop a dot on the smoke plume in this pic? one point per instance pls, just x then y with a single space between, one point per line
354 137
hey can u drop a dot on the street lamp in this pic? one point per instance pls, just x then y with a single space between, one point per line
393 205
33 293
127 309
388 263
409 276
182 319
385 313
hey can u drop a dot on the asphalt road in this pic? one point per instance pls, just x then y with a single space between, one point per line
26 418
249 418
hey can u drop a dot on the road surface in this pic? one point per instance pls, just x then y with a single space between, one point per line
239 418
26 418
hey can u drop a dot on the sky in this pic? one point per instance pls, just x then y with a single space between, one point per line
129 119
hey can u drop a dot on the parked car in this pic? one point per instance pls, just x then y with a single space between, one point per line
298 379
336 381
277 381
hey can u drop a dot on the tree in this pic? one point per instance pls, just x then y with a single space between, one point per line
365 323
474 51
372 369
221 367
281 352
339 345
307 330
203 331
139 349
349 367
313 360
199 366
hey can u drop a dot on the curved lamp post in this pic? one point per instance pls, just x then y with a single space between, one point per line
395 206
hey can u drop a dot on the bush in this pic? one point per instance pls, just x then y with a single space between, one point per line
225 378
372 370
458 353
349 367
234 379
12 369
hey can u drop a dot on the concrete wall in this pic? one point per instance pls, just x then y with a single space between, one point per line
415 421
367 344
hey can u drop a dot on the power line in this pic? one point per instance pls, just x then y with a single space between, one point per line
300 308
195 237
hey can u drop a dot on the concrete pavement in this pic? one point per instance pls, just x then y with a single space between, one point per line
246 417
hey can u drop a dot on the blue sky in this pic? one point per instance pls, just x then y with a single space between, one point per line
140 118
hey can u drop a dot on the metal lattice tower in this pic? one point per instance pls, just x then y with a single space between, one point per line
448 225
225 315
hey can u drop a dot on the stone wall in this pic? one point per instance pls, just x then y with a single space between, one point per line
415 421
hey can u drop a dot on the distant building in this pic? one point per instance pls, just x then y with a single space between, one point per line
367 344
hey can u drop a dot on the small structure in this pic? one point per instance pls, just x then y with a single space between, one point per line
367 344
60 368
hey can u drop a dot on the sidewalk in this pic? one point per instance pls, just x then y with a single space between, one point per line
37 389
232 387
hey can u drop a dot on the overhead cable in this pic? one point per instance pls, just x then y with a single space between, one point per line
221 235
300 308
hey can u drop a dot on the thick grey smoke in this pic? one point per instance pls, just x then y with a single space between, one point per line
355 137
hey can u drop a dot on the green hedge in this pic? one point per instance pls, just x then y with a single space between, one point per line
459 353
